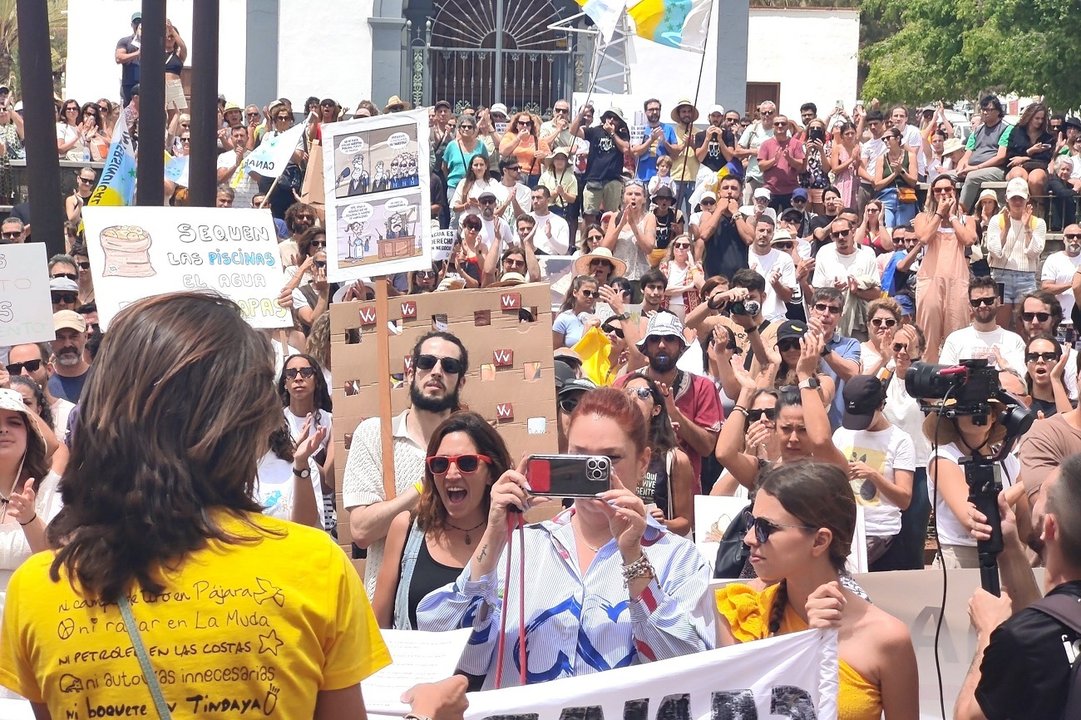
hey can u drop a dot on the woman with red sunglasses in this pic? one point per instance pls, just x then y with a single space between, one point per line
428 547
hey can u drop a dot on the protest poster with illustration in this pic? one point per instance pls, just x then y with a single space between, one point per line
378 200
26 313
138 252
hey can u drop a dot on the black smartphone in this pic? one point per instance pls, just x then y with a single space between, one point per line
568 475
816 133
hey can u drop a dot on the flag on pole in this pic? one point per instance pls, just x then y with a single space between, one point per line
605 14
273 154
117 183
680 24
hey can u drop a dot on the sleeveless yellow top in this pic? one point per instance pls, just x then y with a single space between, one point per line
747 612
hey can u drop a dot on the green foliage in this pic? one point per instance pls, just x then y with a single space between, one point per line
919 51
9 42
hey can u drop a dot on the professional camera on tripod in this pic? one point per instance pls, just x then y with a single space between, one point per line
972 389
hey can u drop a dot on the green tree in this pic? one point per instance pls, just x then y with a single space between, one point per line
9 43
930 49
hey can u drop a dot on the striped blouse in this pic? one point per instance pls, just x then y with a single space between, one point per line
578 624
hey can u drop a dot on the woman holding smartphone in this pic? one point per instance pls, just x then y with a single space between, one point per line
607 550
1029 150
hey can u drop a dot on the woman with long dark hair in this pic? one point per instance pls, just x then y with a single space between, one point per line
802 523
428 547
161 544
306 404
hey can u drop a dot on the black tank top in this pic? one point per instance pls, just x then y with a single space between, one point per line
428 575
653 488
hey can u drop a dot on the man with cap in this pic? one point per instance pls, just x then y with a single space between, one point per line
64 292
775 266
656 138
692 400
494 229
127 56
881 462
669 221
551 236
70 369
603 177
715 145
684 158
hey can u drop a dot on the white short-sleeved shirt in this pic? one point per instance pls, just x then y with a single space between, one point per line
886 451
362 483
950 530
773 308
831 265
969 343
1060 268
274 487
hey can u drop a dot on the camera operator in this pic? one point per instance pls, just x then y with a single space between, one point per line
1022 668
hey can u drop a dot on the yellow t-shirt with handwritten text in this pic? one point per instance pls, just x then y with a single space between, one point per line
243 630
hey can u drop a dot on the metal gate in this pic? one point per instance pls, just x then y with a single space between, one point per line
478 52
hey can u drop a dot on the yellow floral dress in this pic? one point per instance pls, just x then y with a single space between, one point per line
747 612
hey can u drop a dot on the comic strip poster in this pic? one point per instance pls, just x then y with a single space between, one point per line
378 200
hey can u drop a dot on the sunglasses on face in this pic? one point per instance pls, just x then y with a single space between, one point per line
511 262
562 110
986 302
831 309
780 124
944 190
488 201
467 127
840 234
767 112
1072 236
185 140
764 528
17 368
707 203
783 245
682 246
568 404
319 243
69 276
66 298
305 372
670 339
590 293
612 330
320 264
451 366
1046 356
309 218
598 238
880 322
466 464
12 233
642 393
84 266
86 180
1038 316
788 345
472 228
900 347
756 415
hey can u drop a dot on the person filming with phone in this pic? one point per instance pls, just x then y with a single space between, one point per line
607 586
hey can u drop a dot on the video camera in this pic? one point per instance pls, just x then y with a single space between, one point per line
972 385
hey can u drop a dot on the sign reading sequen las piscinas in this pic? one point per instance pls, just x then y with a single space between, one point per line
137 252
789 676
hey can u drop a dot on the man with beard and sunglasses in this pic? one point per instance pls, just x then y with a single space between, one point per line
984 338
71 368
32 360
436 375
1023 668
692 400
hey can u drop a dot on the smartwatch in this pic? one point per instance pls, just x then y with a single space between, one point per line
810 383
304 474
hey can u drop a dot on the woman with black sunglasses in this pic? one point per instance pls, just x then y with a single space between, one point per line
883 320
429 546
523 142
304 391
71 130
800 534
577 313
1045 367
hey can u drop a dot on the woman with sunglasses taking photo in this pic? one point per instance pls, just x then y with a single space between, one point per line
800 534
602 553
429 546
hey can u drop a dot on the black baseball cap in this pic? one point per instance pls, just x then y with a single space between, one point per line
863 395
791 329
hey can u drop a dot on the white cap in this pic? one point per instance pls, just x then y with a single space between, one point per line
1018 187
762 193
719 109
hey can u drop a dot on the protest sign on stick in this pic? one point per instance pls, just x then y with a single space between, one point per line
139 252
25 309
510 381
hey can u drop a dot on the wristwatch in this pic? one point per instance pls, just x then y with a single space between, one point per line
304 474
623 316
810 383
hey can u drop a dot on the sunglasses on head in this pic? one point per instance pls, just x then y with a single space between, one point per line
69 276
987 301
450 365
764 528
1050 356
757 414
17 368
826 308
62 297
1039 316
642 393
304 372
879 322
466 464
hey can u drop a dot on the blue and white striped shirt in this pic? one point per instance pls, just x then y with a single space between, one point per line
578 624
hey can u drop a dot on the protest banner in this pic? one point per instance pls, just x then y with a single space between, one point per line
26 313
788 676
138 252
558 270
510 381
378 200
442 244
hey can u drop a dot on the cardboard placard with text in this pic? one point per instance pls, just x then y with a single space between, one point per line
26 311
510 380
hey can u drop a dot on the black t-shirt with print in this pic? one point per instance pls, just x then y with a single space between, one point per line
1026 669
714 159
605 160
664 227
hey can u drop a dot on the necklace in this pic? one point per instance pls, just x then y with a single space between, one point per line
468 537
582 537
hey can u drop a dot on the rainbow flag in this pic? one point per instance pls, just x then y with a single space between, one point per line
117 183
676 23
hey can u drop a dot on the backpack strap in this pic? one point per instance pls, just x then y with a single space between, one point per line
1067 610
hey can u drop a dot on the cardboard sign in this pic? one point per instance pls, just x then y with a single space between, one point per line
139 252
26 311
442 244
788 676
378 201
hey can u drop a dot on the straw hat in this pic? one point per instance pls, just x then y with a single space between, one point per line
396 103
684 103
510 279
581 265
